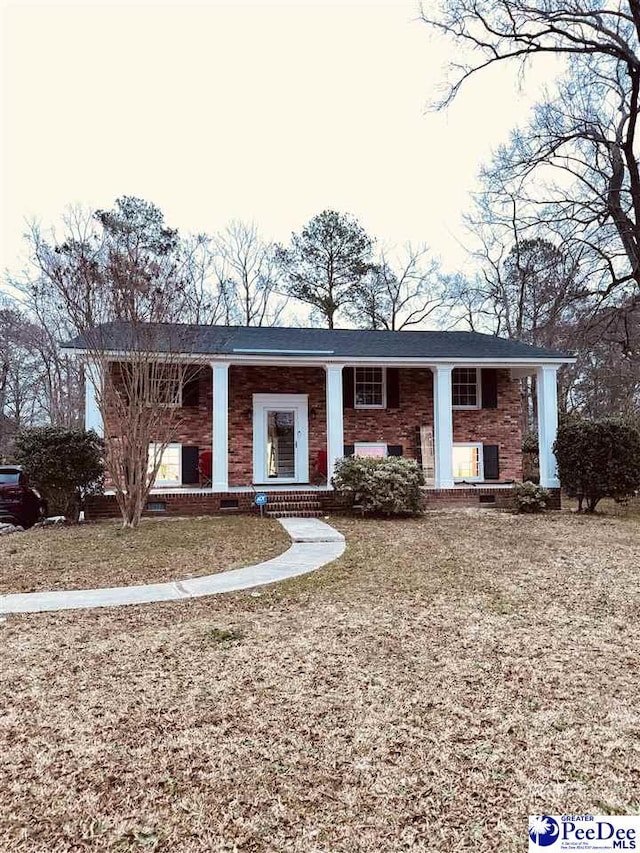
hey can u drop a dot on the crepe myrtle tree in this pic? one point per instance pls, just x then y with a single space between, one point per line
401 290
121 279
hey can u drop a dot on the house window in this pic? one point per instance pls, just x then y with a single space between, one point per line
369 448
164 386
170 469
369 388
467 462
464 388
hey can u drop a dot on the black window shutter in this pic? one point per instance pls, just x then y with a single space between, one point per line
191 387
489 384
190 473
394 450
348 387
349 449
491 461
393 388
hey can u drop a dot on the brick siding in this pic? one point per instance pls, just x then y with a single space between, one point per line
499 426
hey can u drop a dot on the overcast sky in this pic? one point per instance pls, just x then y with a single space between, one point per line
261 111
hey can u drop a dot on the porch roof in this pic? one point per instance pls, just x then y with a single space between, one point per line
241 342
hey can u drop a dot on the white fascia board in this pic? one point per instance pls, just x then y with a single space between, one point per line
366 361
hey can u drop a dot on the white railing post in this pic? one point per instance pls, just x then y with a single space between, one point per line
335 423
547 399
220 438
443 426
92 388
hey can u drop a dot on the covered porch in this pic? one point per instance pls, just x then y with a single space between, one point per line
281 424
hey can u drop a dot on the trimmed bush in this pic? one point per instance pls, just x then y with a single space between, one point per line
65 464
390 486
530 497
598 459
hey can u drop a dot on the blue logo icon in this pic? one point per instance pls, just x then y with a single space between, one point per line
261 499
543 830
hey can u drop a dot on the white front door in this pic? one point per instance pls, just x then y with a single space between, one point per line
280 438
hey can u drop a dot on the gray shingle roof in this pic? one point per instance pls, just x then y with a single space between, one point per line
314 343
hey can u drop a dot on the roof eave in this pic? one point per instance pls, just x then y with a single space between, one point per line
310 361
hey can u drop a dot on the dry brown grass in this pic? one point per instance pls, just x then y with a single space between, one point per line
95 555
443 680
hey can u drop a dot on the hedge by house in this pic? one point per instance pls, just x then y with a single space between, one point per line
598 459
390 485
64 464
531 497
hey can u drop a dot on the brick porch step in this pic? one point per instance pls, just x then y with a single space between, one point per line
299 513
291 505
294 506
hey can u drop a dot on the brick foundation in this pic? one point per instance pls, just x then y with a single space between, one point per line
101 507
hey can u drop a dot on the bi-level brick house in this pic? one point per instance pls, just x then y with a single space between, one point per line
274 408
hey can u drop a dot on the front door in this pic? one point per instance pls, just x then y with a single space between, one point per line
280 438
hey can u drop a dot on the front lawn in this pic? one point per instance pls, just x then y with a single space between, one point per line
95 555
443 680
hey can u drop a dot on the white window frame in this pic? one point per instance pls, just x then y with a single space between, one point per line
357 405
480 448
478 404
151 383
360 444
171 446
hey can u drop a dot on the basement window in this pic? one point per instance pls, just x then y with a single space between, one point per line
229 503
156 506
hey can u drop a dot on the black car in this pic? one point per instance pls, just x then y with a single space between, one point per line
19 502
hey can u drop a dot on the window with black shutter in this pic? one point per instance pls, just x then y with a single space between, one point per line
491 457
190 472
464 388
393 388
348 392
489 382
191 388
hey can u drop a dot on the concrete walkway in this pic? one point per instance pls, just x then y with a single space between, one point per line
314 545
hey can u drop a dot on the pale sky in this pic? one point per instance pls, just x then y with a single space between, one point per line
263 111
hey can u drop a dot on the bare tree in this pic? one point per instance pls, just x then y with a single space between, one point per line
575 167
208 298
121 279
248 274
402 290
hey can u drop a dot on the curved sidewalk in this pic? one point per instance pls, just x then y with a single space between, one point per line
314 545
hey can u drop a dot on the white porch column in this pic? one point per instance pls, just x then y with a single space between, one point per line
547 398
220 438
443 426
335 425
92 386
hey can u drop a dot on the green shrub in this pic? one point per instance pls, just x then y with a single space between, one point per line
598 459
530 497
390 486
65 464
